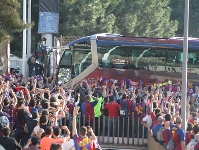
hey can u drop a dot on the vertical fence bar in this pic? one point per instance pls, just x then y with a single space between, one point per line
138 131
99 127
104 127
128 131
113 130
122 130
118 129
108 129
132 128
89 120
70 122
84 120
94 125
142 135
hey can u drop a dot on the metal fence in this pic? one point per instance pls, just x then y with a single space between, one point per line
125 132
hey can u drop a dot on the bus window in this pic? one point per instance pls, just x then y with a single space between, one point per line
114 56
193 61
64 70
174 60
81 59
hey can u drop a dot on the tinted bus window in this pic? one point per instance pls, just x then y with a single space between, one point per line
81 59
114 56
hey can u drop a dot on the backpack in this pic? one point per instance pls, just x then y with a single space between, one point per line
159 134
123 111
170 145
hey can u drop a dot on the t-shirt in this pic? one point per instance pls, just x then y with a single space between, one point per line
178 135
46 142
196 147
191 145
84 143
156 129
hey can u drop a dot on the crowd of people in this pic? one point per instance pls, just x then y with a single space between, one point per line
38 114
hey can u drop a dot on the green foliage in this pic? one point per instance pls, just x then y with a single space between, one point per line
10 21
149 18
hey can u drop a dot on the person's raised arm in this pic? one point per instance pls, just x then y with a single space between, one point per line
74 128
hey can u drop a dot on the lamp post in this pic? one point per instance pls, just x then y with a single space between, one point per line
24 64
184 66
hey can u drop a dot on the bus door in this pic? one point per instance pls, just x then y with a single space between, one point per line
64 70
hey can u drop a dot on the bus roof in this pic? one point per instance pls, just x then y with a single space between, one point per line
116 39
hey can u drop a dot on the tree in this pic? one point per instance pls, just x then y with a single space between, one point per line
177 13
10 20
81 18
145 18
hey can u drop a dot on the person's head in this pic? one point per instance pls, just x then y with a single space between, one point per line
87 98
195 129
33 59
32 103
178 121
6 101
45 112
34 140
138 100
43 119
167 117
83 131
35 115
21 102
158 115
189 127
194 114
56 147
45 105
160 119
111 98
49 130
167 125
56 131
5 131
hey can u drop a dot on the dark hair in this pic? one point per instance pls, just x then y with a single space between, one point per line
53 99
189 126
158 115
157 111
45 112
35 115
167 117
111 98
43 119
48 130
6 101
5 131
56 131
32 103
83 131
195 129
55 146
43 135
45 105
138 100
194 114
124 96
34 140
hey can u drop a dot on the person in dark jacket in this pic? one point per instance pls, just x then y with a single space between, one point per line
7 142
33 66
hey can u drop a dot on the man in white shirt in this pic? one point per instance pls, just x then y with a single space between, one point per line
192 143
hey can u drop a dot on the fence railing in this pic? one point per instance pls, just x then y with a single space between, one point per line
125 132
118 132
